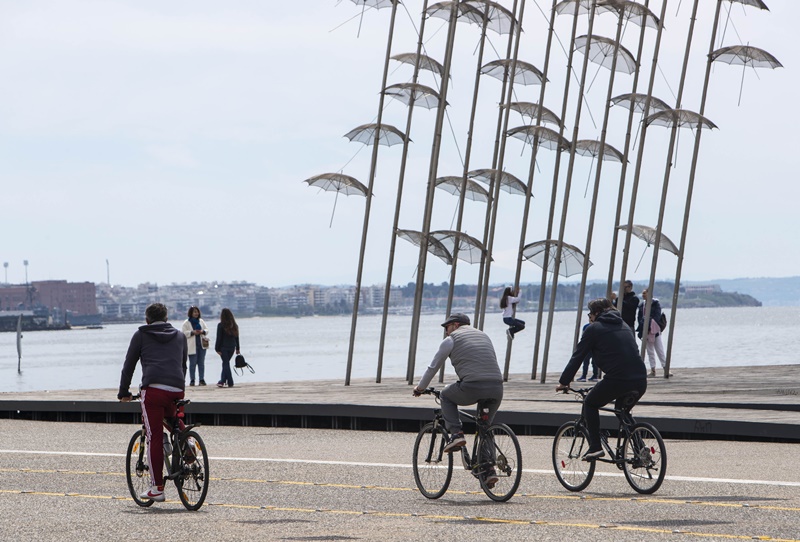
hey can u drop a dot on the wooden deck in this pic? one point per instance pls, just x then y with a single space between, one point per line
743 402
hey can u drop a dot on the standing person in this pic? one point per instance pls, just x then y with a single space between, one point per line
630 304
162 350
508 303
613 348
226 345
196 332
653 334
479 379
588 359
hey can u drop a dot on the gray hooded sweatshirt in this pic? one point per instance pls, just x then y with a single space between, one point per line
163 351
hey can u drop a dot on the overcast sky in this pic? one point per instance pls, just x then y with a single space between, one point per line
172 139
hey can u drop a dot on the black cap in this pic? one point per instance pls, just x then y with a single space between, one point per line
457 318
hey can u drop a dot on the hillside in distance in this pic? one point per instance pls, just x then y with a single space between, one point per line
772 292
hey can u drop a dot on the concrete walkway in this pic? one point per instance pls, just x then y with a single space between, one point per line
733 402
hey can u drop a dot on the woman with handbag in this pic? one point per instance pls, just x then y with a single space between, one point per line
196 332
226 345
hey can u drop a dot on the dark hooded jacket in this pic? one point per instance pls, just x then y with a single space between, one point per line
613 348
163 351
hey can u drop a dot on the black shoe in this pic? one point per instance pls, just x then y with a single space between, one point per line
202 382
457 440
191 382
591 455
491 479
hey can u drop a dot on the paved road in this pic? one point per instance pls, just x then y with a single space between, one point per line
65 481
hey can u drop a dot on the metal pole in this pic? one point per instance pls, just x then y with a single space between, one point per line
665 186
400 182
372 170
432 171
498 171
478 321
687 209
640 154
531 173
554 193
624 172
567 187
598 171
467 156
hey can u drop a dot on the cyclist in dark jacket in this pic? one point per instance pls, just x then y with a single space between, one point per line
613 348
163 352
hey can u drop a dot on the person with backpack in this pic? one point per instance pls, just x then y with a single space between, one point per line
650 332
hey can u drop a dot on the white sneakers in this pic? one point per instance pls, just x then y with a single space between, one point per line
153 494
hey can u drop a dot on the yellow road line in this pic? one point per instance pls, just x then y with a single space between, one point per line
569 497
376 513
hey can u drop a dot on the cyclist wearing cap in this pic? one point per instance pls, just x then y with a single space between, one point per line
479 378
613 348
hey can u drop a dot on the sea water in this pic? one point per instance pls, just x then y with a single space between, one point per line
315 348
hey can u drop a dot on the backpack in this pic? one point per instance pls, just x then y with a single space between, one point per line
663 322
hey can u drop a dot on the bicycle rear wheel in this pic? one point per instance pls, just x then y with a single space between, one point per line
500 456
645 458
571 442
433 468
137 471
192 483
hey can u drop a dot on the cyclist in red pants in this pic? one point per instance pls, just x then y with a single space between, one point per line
163 352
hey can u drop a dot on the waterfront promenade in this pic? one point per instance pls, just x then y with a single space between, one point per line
760 403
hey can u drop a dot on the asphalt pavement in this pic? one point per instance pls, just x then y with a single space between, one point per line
65 481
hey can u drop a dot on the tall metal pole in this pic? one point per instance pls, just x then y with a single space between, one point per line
642 139
432 173
690 189
567 187
624 171
531 173
368 205
665 186
400 182
495 185
596 189
467 157
478 321
554 193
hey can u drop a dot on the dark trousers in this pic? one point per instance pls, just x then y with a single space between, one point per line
603 393
514 324
227 374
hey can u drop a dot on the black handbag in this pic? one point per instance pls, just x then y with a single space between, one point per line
239 365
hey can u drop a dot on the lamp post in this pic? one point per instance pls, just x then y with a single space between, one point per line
5 265
27 288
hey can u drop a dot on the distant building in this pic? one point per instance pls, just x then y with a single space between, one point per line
54 295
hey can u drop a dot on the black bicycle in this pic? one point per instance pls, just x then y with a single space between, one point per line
639 451
496 458
185 458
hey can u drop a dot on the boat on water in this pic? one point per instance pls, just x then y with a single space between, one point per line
32 320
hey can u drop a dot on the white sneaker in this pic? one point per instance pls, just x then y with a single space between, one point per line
153 494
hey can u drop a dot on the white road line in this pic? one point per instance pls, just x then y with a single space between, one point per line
407 466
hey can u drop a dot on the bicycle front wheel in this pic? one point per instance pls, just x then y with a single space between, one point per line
645 458
571 442
192 483
137 471
433 468
500 462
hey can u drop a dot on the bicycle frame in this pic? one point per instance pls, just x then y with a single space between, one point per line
468 461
